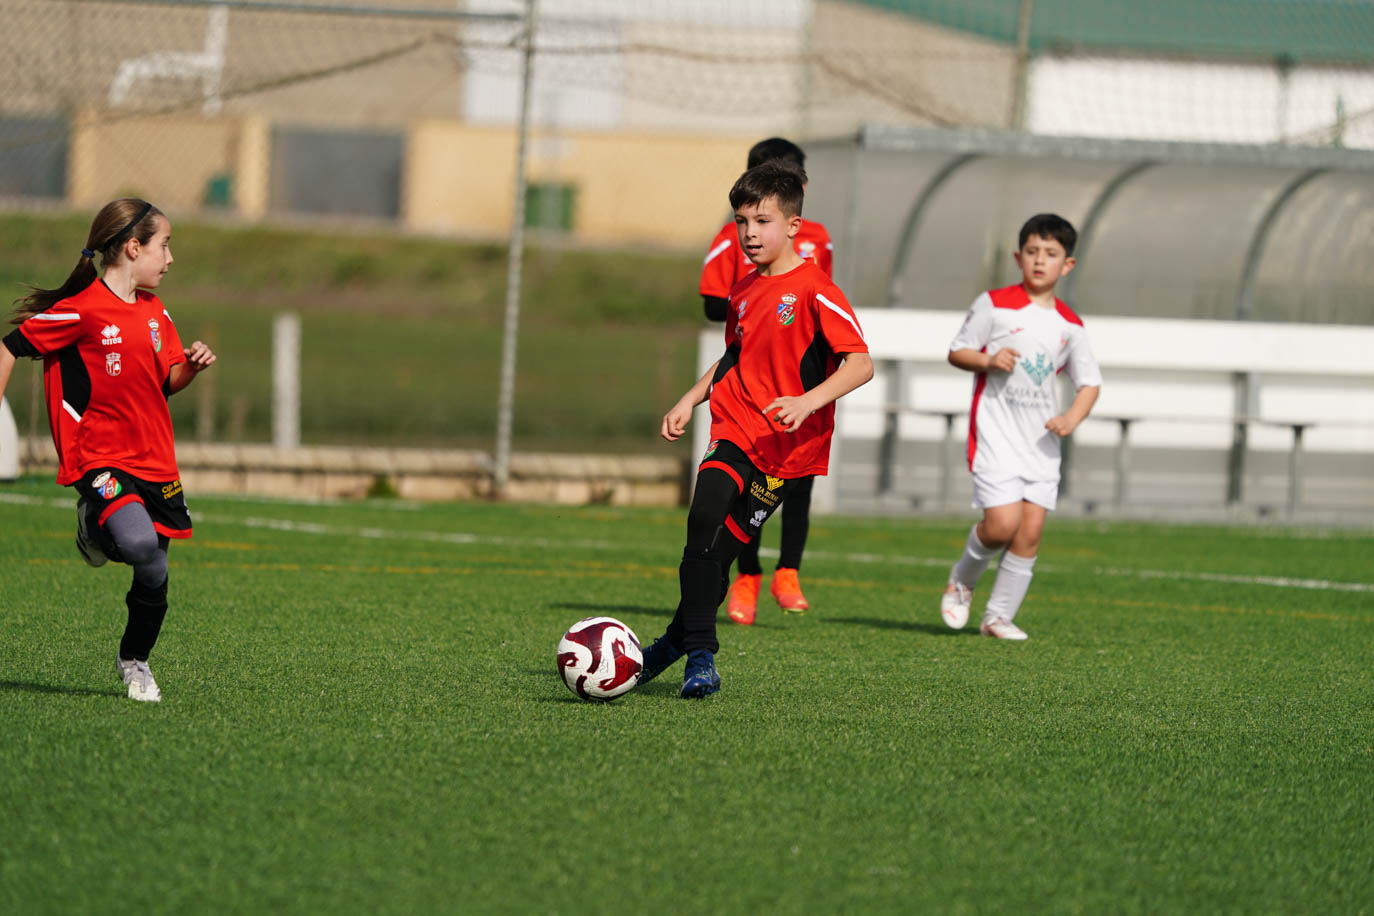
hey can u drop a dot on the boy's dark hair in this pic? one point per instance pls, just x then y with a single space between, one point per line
1049 226
776 148
770 179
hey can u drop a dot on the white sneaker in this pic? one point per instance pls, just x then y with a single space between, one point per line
955 604
139 678
1002 628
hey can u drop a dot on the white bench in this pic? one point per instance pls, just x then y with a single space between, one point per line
1225 385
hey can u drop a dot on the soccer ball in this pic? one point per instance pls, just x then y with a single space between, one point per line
599 658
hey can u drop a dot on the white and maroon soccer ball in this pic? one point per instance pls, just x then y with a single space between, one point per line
599 658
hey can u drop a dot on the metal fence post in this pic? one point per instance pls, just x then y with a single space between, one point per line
506 403
894 397
1123 463
286 380
1295 470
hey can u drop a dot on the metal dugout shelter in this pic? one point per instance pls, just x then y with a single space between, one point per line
924 219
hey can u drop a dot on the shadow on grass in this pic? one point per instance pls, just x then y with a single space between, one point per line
605 609
935 629
54 688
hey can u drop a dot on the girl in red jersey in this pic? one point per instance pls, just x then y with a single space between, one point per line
111 358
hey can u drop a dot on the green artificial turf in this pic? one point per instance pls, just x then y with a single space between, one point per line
361 714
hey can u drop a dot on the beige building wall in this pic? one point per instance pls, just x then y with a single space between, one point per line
631 188
883 67
169 159
639 189
308 68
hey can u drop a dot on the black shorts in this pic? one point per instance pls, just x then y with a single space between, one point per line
107 490
759 496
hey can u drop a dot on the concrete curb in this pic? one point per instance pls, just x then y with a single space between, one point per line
354 472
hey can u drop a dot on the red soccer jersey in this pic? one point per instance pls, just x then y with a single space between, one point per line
782 337
105 364
726 263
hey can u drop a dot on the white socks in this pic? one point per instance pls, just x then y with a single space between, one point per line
975 559
1009 590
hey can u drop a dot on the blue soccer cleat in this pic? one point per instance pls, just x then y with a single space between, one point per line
657 657
700 679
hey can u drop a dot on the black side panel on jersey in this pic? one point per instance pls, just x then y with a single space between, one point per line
814 362
19 345
715 307
727 362
76 381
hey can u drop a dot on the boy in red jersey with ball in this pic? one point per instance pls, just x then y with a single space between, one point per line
792 347
726 263
1015 340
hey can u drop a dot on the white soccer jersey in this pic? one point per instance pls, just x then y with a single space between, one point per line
1006 431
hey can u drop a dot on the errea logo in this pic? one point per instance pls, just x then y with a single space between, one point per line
109 335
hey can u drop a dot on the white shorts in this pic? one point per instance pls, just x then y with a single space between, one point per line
1003 491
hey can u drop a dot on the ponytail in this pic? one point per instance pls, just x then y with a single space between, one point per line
117 222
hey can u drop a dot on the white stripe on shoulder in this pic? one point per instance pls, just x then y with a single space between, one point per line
71 411
58 316
716 252
169 317
843 314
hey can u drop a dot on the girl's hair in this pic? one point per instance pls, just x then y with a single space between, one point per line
116 223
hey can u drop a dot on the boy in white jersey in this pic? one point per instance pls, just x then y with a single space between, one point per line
1015 340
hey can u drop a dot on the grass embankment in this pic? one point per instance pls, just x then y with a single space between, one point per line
402 335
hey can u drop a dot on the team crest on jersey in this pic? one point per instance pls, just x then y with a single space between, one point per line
786 312
806 249
113 364
155 334
106 485
1039 369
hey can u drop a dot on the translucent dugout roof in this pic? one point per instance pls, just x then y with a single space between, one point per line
926 219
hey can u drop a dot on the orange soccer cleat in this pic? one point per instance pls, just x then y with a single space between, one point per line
744 599
787 590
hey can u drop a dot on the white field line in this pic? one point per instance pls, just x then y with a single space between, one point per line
458 537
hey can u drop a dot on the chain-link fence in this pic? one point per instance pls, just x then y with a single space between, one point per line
399 116
400 109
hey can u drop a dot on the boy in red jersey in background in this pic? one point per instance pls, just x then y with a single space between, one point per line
726 263
792 347
1016 340
111 358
